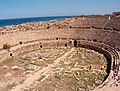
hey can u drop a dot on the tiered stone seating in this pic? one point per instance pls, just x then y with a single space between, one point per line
90 21
114 23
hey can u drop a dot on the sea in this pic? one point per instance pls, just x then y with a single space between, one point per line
8 22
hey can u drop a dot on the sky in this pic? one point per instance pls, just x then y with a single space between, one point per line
40 8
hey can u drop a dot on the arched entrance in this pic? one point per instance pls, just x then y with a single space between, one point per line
75 43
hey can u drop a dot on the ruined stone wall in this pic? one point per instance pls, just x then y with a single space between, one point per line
4 54
107 37
40 34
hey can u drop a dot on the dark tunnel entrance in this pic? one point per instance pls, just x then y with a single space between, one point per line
75 43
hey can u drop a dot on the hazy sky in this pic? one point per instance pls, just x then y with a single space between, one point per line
37 8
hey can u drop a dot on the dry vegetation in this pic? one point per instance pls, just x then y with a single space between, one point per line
53 69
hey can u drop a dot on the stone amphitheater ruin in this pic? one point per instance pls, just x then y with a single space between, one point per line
62 44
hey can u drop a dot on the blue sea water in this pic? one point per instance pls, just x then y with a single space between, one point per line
7 22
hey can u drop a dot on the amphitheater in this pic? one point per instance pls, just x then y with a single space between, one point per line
98 33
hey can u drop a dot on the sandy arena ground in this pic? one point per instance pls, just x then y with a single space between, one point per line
53 69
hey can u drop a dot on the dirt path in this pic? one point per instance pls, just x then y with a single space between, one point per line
45 70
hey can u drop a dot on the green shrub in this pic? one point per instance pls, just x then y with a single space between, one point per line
6 46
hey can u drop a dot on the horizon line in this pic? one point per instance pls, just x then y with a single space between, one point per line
52 16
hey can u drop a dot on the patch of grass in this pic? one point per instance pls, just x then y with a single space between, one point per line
6 46
91 80
7 61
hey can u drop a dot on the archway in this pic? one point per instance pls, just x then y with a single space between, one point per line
75 43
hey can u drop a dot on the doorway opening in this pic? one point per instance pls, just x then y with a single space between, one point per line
75 43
